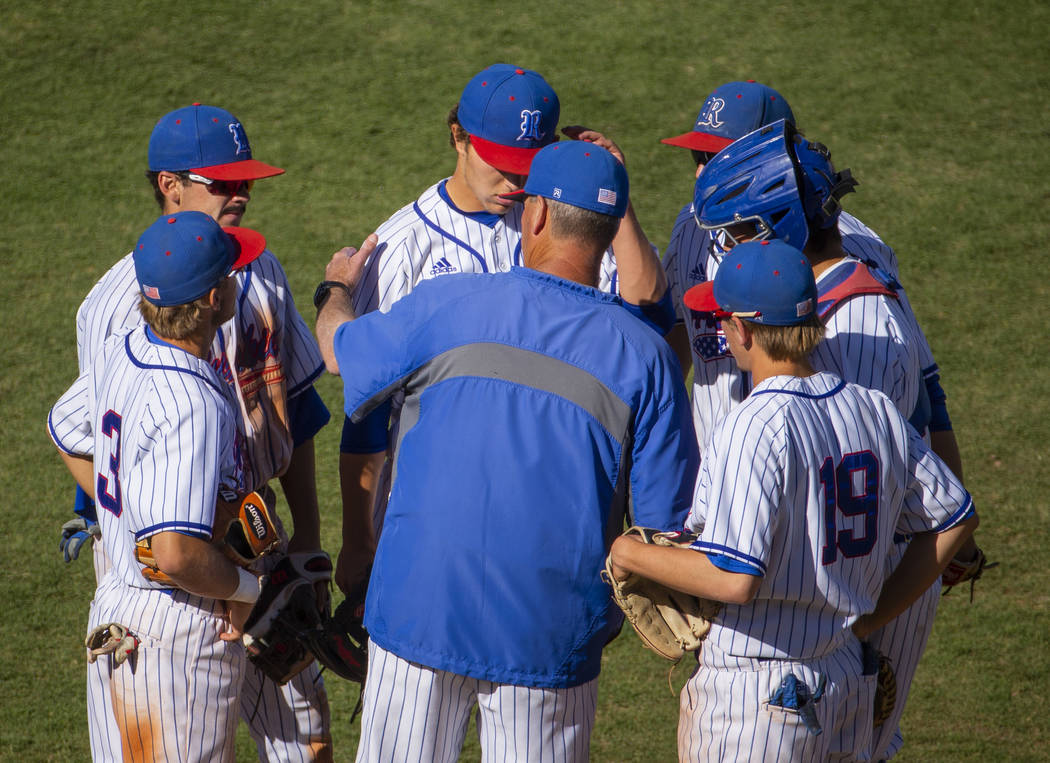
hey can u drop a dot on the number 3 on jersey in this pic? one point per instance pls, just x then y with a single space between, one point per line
111 429
852 489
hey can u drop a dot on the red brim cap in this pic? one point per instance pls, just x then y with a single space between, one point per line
248 169
701 298
516 161
698 141
518 195
250 244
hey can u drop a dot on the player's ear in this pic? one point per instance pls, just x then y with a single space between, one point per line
170 186
460 139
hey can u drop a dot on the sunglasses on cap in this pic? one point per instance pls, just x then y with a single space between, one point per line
222 187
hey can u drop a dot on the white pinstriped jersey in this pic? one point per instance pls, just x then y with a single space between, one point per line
805 483
267 342
160 426
431 237
869 341
718 384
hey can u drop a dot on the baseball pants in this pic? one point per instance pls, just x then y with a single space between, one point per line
726 713
175 698
412 712
902 641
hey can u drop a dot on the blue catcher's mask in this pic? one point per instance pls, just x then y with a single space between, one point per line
772 183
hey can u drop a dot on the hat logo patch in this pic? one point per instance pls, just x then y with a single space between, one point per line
152 292
239 138
556 193
530 125
605 196
709 116
804 308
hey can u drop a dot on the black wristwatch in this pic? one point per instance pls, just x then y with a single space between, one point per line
321 293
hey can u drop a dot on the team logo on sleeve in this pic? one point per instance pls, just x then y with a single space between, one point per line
530 125
239 138
709 116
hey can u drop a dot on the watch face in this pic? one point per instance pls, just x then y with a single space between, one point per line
321 294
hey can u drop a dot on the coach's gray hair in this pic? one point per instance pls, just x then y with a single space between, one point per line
567 221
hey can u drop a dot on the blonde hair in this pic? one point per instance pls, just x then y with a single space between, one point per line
793 343
176 321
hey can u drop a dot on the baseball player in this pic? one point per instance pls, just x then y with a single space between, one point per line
558 404
462 224
801 490
730 112
200 160
149 429
774 183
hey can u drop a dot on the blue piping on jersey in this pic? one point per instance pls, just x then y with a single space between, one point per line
54 438
965 512
244 289
808 396
449 236
185 528
157 340
719 550
301 386
488 219
728 564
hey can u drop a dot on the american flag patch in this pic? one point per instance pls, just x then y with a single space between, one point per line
152 292
605 196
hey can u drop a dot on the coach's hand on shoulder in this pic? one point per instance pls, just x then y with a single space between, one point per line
579 132
348 263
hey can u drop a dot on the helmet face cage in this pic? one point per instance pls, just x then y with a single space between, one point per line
723 232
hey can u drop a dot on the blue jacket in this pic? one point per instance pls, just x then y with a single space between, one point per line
534 407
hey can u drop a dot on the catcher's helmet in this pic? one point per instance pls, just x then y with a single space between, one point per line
774 179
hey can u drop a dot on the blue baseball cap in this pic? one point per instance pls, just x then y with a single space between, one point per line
207 140
182 256
578 173
510 113
767 282
732 111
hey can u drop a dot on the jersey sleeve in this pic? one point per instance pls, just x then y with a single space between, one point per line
737 493
935 500
70 420
294 342
382 337
664 452
173 486
110 308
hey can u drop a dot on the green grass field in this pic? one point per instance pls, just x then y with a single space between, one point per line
940 108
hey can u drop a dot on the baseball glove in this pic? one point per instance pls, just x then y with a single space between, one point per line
959 571
277 630
243 531
669 622
341 642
